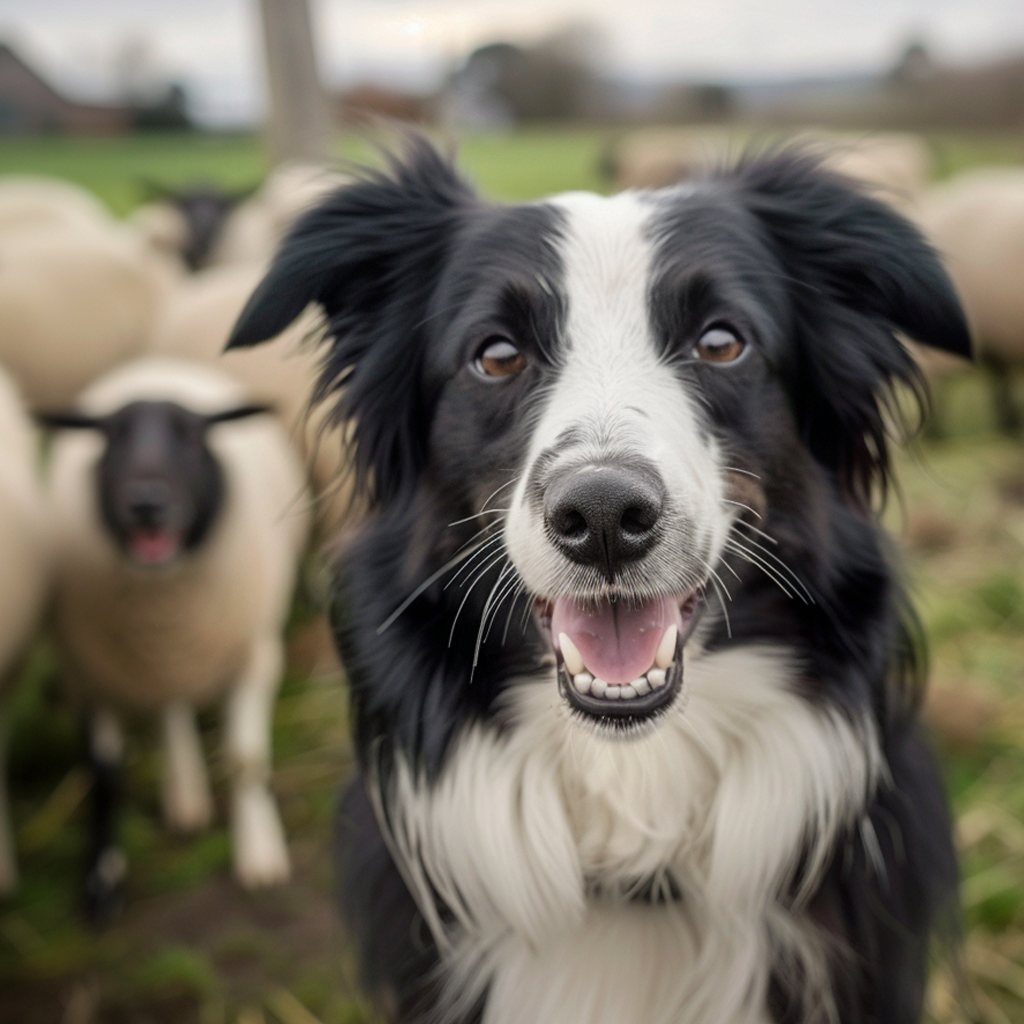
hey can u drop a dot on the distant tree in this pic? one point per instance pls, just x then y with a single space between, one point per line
167 113
915 64
704 103
555 79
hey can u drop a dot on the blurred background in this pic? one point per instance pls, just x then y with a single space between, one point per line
252 104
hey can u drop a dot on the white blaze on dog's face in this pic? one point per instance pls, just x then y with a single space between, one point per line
620 511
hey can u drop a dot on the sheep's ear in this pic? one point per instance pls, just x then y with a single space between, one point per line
240 413
860 273
70 421
371 256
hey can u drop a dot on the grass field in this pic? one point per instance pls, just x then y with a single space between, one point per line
192 948
119 170
522 165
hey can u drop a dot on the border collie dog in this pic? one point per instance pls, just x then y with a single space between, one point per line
633 680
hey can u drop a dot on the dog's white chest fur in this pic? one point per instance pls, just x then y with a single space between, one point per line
635 964
534 835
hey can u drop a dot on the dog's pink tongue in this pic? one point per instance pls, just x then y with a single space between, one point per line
618 641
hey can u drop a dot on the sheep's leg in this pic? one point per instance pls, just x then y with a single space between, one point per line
1000 375
107 868
188 806
257 836
8 862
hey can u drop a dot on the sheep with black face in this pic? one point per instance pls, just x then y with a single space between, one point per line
180 516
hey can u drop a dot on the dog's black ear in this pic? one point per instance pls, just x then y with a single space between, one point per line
370 256
859 274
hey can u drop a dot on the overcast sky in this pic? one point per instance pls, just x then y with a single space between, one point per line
214 46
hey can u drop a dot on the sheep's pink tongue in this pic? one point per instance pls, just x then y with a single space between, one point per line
151 547
617 641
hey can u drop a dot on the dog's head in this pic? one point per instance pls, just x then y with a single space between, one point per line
620 378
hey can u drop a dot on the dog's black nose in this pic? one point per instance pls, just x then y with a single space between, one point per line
604 514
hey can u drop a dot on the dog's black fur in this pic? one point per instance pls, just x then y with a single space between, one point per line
400 263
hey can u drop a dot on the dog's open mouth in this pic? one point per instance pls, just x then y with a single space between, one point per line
620 660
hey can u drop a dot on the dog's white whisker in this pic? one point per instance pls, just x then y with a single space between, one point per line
721 603
721 582
484 550
739 504
758 564
747 543
507 582
719 585
471 586
433 578
735 574
490 610
520 592
757 561
750 526
497 491
745 472
476 515
510 592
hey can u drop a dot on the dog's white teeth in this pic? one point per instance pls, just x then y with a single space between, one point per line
667 648
572 657
586 684
641 686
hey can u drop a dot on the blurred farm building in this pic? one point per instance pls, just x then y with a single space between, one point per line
29 105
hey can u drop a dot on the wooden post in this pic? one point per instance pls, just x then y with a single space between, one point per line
299 122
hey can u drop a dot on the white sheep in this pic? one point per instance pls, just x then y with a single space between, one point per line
896 164
164 228
976 221
25 560
74 301
172 589
195 322
33 200
255 228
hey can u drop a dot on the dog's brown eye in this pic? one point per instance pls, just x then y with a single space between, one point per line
498 357
720 345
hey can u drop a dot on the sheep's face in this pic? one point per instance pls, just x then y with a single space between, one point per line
158 484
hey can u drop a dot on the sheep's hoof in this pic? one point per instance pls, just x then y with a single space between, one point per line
105 887
258 842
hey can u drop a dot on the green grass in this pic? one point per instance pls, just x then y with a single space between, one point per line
962 524
118 169
519 165
193 948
